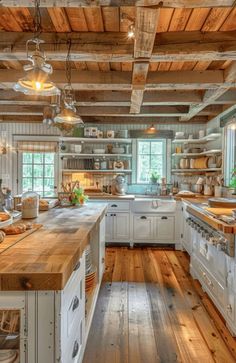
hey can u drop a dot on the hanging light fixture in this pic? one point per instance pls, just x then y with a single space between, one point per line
36 80
151 130
68 114
131 31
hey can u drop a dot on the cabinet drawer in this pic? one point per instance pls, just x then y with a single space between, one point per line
118 206
72 354
73 283
73 307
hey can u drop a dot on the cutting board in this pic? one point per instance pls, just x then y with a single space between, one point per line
220 211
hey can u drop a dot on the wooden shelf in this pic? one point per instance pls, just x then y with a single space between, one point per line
100 171
194 170
94 140
207 138
204 153
95 155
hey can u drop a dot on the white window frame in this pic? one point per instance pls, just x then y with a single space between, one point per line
165 157
229 157
20 169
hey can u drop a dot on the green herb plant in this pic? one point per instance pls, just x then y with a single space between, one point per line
78 196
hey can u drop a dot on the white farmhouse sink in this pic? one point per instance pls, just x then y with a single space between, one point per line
152 205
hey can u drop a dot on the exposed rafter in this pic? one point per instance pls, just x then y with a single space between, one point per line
211 95
145 32
79 3
115 47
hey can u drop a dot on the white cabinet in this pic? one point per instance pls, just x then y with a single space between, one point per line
153 228
186 231
143 228
165 228
118 227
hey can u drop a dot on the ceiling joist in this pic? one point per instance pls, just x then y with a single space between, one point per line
115 47
79 3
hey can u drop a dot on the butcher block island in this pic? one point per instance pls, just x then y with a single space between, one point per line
44 275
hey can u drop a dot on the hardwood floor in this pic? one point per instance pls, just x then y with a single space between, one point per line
150 310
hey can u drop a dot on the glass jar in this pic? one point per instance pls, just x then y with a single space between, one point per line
96 164
30 205
103 164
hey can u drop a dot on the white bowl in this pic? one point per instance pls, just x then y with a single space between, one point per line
78 148
118 150
99 151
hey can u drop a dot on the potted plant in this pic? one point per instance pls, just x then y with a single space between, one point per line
154 177
78 197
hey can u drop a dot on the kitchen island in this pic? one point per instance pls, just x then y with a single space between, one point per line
42 282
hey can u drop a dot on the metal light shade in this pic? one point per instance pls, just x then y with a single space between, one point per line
36 82
68 116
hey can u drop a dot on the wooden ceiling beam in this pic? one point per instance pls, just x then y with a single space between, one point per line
211 95
146 111
115 47
121 81
145 31
84 3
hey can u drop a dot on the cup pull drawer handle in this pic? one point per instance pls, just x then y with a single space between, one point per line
164 218
143 217
75 303
77 266
75 349
114 205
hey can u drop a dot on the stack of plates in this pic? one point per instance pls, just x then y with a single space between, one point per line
90 280
88 259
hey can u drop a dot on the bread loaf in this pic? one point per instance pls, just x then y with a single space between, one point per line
4 216
2 236
15 229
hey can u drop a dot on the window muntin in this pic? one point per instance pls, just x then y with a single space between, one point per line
151 157
38 173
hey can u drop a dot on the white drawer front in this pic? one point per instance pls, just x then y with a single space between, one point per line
118 206
73 306
72 354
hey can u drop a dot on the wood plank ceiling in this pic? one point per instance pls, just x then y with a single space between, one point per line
180 67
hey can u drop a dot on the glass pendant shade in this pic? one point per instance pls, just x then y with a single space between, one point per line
69 116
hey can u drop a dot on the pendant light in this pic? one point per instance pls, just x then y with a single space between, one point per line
68 113
36 80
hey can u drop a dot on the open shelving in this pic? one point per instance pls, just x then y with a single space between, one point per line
92 155
195 170
205 139
99 171
203 153
95 140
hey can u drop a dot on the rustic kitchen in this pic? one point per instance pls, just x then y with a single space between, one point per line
117 181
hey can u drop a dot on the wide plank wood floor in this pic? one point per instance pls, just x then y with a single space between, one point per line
150 310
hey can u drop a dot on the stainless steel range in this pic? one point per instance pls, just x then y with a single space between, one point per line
224 242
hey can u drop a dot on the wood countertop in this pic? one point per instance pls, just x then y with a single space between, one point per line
46 258
211 220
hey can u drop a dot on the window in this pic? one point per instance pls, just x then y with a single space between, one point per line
230 151
38 173
151 157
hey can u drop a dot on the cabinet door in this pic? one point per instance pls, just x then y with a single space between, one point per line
102 231
143 228
121 225
165 229
109 227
